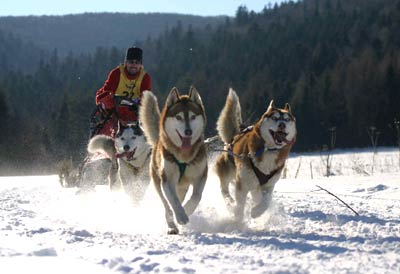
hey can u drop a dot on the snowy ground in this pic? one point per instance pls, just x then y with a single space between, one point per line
47 229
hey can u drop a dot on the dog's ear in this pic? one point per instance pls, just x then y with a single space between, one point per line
288 108
132 125
271 105
137 130
195 96
173 97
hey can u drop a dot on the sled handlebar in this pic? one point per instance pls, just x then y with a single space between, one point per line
126 101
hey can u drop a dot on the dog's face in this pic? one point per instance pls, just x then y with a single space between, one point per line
130 138
278 126
185 120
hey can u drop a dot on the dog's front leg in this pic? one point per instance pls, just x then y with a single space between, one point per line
125 174
262 198
197 192
127 178
168 186
113 175
169 216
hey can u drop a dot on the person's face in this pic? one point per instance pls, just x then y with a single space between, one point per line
133 66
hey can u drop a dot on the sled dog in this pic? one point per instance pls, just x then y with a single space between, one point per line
179 155
91 172
254 157
130 156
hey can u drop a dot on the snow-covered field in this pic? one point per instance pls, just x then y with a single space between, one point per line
47 229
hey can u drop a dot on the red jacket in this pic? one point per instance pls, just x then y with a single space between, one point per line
111 84
105 96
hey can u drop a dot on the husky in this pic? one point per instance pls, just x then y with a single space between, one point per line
253 158
179 154
94 170
130 154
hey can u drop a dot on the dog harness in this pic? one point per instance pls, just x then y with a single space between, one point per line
181 166
261 176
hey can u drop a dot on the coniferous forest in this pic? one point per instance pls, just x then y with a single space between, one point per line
337 62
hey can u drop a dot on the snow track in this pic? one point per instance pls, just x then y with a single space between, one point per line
47 229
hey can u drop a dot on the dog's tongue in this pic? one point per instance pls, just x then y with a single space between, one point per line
280 136
186 143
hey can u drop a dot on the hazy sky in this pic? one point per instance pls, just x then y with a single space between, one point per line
60 7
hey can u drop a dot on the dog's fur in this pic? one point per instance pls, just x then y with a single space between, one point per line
179 155
85 176
130 156
255 156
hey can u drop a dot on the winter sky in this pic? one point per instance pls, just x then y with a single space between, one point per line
62 7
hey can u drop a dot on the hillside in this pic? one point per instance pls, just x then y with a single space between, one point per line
84 32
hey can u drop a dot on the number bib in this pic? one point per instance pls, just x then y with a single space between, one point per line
129 88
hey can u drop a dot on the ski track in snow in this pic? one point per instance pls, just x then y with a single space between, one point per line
46 229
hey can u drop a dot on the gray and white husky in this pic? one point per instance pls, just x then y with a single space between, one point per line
179 155
130 156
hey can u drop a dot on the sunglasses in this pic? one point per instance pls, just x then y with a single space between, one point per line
133 62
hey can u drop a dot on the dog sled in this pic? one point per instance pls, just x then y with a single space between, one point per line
95 167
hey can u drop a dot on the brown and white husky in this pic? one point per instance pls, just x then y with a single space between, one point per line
255 156
179 155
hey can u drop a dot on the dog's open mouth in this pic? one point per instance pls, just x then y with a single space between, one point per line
279 137
131 154
186 141
128 154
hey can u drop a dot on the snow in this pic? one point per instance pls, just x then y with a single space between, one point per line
48 229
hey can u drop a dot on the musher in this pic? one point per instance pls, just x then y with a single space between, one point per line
119 97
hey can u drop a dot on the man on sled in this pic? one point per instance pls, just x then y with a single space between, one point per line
119 97
117 103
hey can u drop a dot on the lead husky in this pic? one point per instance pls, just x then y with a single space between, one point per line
256 156
179 155
130 155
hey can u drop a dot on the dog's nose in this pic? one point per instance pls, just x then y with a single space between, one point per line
282 126
126 148
188 132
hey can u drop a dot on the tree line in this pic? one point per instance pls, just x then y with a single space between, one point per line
336 62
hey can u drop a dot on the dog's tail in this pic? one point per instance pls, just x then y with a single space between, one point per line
149 115
230 118
102 143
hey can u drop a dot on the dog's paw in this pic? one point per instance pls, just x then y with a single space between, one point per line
229 202
257 211
238 214
182 218
173 231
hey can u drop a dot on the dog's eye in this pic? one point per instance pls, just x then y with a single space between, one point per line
274 118
122 138
178 117
193 117
133 137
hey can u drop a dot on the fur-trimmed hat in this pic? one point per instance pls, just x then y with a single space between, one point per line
134 53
